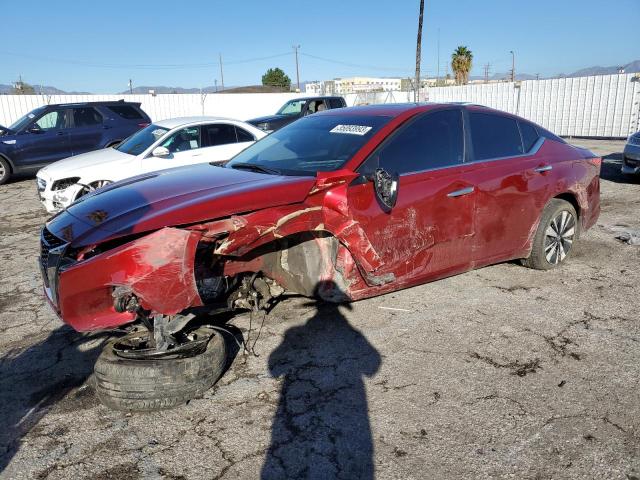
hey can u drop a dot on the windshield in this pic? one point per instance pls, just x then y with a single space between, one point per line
292 107
312 144
25 120
142 139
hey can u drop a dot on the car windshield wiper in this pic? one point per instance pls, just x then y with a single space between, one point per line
256 168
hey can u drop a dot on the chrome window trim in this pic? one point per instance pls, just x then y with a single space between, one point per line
536 147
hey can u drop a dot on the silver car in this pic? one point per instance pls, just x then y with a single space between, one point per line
631 155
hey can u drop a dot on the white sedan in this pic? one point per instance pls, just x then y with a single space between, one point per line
165 144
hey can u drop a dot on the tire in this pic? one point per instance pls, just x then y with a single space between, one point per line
5 171
160 383
557 232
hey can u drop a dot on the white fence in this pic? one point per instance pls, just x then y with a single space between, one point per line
598 106
159 107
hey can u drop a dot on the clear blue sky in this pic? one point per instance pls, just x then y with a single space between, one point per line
107 39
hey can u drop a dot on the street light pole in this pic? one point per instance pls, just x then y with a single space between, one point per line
513 66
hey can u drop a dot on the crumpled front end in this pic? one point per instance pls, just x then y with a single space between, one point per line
313 248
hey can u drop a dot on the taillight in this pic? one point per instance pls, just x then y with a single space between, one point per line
597 161
142 125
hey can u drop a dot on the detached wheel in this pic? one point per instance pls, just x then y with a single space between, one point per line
557 231
127 377
5 171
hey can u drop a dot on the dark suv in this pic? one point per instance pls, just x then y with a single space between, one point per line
53 132
296 108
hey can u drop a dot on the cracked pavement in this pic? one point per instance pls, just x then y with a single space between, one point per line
503 372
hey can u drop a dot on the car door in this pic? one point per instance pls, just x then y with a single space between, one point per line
511 183
45 140
184 148
87 130
220 142
429 232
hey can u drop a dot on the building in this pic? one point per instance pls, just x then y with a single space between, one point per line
342 86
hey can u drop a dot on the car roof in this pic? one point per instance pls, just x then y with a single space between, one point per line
171 123
104 102
396 109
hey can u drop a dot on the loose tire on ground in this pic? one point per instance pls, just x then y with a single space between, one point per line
5 171
155 384
554 214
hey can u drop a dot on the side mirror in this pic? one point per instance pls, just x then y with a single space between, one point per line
385 185
34 129
161 152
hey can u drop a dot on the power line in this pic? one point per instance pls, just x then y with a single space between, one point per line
141 66
356 65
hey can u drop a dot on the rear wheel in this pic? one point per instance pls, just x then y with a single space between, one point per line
5 171
556 234
130 376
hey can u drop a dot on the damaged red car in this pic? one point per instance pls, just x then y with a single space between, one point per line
342 205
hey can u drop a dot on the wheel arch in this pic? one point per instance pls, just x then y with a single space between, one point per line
572 198
9 161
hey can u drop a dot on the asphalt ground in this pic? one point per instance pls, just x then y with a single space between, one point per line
503 372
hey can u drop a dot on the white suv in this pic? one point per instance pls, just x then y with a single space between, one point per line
161 145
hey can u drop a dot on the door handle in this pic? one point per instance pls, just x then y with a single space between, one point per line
461 192
196 154
544 168
59 133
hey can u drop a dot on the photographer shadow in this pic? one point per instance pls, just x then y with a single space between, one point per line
321 428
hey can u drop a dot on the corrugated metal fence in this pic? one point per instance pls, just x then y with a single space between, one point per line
598 106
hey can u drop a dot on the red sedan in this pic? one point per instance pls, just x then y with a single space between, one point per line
342 205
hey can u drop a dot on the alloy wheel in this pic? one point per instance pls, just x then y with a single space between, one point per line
559 237
3 171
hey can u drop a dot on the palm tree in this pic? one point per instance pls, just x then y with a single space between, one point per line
461 60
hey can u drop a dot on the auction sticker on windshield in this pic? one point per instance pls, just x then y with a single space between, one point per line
351 129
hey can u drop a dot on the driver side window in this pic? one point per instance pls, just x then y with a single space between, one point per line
434 140
52 120
183 140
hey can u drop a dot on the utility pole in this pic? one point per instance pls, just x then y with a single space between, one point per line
221 73
513 66
215 82
537 76
418 52
486 73
438 68
295 49
130 87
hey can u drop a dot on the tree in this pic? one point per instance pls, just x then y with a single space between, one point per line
275 77
461 60
22 88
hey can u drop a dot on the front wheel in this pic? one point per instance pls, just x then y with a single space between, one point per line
556 234
5 171
129 376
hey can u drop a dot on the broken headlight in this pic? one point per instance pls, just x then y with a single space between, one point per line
64 183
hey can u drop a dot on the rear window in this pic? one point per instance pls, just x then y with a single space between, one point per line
494 136
529 135
244 136
126 111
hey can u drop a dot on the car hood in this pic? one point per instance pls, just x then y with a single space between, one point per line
269 118
179 196
74 166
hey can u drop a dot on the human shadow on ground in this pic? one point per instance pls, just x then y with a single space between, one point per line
321 429
35 378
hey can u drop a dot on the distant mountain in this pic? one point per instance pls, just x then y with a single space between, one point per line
160 89
44 89
632 67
